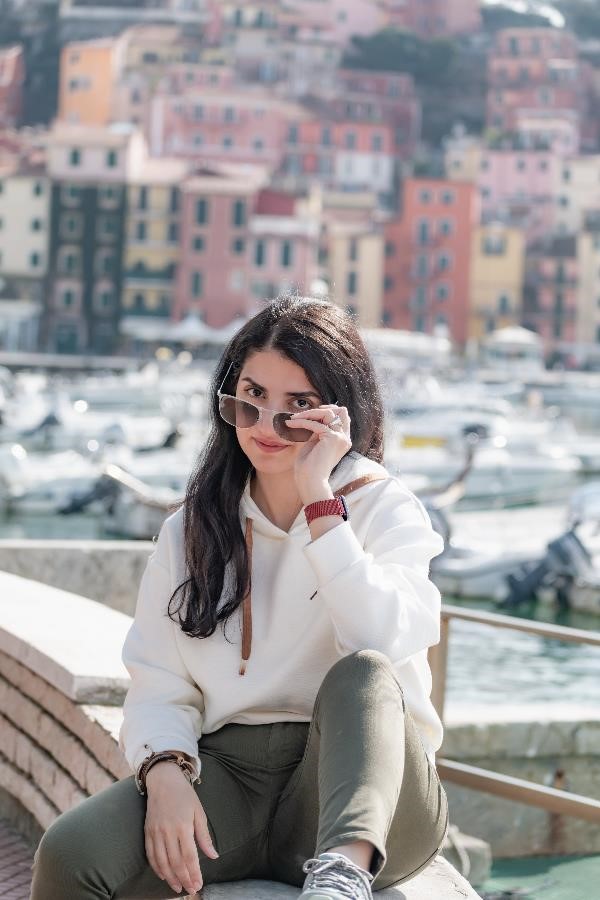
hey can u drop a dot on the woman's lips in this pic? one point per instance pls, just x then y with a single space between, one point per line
270 448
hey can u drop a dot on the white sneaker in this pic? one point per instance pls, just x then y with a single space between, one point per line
332 876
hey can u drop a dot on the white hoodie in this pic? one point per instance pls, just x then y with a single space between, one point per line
362 585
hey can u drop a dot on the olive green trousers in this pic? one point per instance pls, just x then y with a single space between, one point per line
274 795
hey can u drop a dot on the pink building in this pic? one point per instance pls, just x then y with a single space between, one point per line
434 18
339 19
536 72
551 289
241 243
12 78
221 124
518 185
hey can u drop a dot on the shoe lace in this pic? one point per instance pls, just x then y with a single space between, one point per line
340 875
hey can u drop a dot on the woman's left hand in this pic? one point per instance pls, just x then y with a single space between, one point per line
317 457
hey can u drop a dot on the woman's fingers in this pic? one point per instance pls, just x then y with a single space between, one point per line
164 864
152 859
203 835
172 842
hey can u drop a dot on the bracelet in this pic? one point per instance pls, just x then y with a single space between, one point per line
182 760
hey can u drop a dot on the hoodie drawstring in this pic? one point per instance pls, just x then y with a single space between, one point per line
247 601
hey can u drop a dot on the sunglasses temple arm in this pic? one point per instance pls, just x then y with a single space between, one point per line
225 377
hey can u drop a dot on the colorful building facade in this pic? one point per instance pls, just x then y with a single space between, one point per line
428 258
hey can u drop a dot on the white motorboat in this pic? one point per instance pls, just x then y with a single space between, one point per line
42 483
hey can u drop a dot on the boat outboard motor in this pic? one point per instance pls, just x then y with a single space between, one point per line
565 561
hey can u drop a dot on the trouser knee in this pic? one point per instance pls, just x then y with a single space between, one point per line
63 854
361 668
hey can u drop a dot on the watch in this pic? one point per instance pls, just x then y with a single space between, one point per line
331 507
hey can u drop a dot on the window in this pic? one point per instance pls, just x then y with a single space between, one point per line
198 113
444 262
104 263
112 158
105 299
109 195
351 283
447 198
504 305
377 143
140 231
198 140
229 114
197 284
36 224
350 140
419 323
38 188
388 283
201 211
543 165
390 249
258 145
173 233
259 253
446 227
353 250
174 200
423 231
143 198
422 267
563 201
106 226
75 157
71 225
442 291
238 213
293 134
326 137
34 260
238 246
286 254
493 245
521 165
227 142
198 244
421 296
68 298
68 262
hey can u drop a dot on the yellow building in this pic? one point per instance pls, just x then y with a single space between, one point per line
153 246
356 270
497 274
89 71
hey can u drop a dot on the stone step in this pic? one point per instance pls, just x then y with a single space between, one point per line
439 881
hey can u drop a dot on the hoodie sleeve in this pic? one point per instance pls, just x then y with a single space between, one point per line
379 595
163 707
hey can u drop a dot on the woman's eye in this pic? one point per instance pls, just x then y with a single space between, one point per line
304 401
250 389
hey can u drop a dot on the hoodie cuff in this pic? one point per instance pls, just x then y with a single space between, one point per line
334 552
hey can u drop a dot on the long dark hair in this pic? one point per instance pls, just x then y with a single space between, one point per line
322 339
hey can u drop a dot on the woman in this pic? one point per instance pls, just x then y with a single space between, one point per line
279 725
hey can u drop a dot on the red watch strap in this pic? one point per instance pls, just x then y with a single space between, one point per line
330 507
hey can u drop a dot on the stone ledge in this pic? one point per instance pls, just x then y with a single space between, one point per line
107 571
439 881
73 643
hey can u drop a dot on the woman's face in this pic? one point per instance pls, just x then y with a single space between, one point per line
273 381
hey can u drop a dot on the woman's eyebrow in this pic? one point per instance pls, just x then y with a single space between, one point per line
289 393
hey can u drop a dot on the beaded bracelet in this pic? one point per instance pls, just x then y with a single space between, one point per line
185 764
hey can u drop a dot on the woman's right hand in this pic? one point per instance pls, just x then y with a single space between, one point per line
174 816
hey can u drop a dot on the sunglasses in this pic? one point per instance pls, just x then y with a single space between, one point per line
242 414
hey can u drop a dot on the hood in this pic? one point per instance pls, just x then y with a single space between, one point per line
352 466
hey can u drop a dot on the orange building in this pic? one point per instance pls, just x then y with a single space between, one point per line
87 80
428 258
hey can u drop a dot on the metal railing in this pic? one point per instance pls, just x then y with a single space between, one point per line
552 799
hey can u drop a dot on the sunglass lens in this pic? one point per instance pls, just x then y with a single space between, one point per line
290 434
238 412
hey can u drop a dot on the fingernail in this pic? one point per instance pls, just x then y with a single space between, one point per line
214 852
